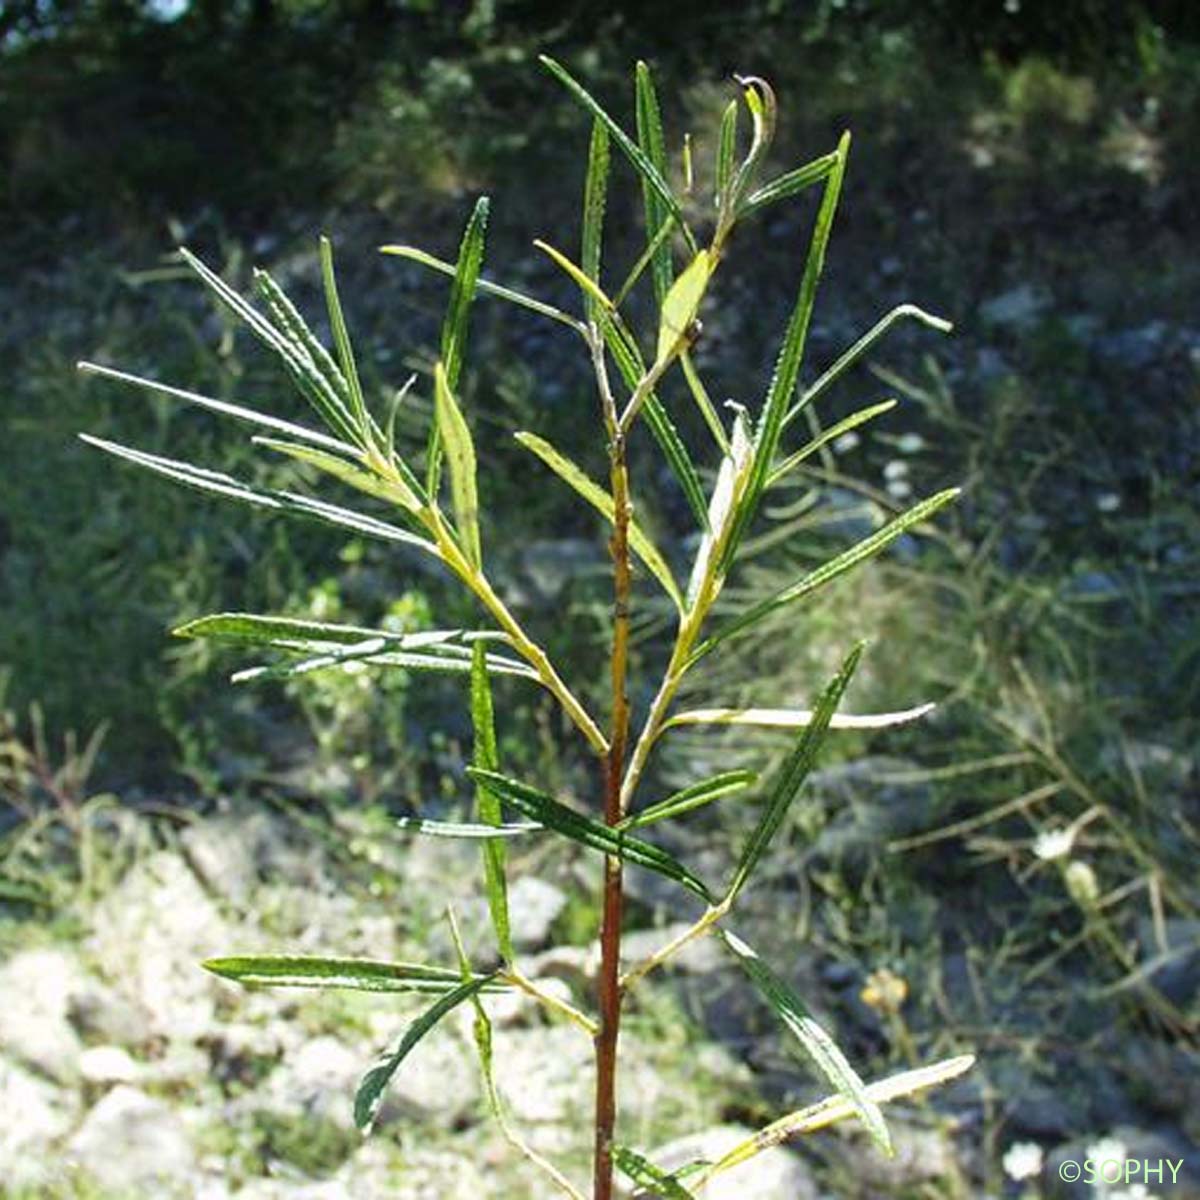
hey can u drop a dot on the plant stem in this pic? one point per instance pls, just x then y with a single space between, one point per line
610 990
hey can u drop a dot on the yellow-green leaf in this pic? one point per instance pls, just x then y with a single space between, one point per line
460 454
600 500
681 303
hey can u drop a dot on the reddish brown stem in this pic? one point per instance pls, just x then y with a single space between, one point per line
610 930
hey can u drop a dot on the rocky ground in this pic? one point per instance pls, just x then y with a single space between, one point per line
126 1071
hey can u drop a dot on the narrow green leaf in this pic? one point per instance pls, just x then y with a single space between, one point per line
681 305
632 368
653 145
595 195
352 974
726 152
487 806
836 1108
355 474
460 450
790 183
374 1083
644 259
697 794
224 485
844 426
309 364
647 1176
312 381
454 328
854 353
795 718
462 293
793 774
821 1048
461 831
375 652
644 167
600 500
760 100
540 807
828 572
485 287
225 409
341 341
592 292
787 366
703 401
252 629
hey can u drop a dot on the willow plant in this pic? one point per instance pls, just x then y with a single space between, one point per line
359 448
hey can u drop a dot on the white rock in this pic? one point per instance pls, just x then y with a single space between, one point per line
155 928
132 1144
533 905
106 1065
33 1114
771 1175
36 987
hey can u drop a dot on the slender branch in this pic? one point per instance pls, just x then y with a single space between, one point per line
610 992
550 1001
533 654
664 953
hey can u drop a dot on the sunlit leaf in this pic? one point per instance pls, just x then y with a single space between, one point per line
547 811
697 794
587 285
726 152
653 145
224 485
341 341
374 1083
837 1108
647 1176
795 718
461 831
485 287
787 366
790 183
828 572
460 452
681 304
644 167
854 353
395 490
842 427
253 629
487 805
224 408
820 1047
462 293
600 499
352 974
595 194
454 328
793 773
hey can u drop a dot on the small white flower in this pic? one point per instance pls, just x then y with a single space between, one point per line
1108 502
910 443
846 442
896 469
1022 1160
1053 843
